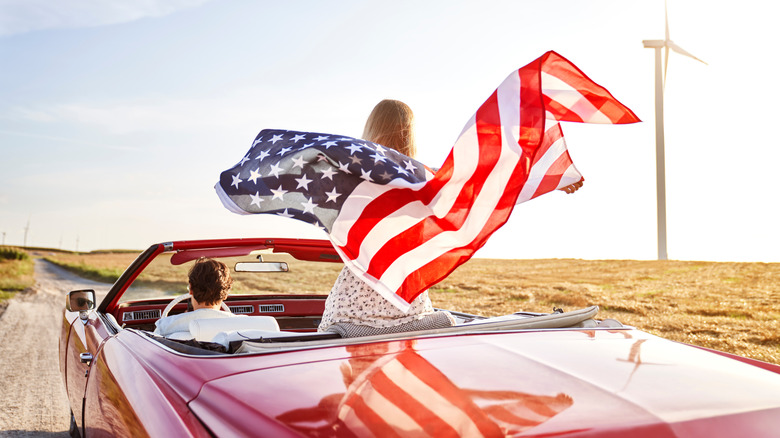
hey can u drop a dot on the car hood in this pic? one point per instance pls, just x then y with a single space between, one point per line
547 383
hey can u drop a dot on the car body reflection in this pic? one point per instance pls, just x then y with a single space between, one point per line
392 392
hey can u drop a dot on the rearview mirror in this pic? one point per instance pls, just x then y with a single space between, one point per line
80 300
261 267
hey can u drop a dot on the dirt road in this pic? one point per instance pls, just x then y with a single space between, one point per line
32 395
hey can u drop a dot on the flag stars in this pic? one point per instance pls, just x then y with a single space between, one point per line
328 173
236 181
385 176
257 140
284 151
308 206
343 168
254 175
354 148
321 138
410 165
332 195
356 160
263 154
297 138
298 162
244 160
279 193
366 175
275 138
285 214
303 182
379 149
256 199
401 170
378 158
275 169
329 144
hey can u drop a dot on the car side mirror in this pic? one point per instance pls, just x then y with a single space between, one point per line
80 300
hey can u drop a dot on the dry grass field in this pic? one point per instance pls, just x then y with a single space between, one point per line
733 307
16 272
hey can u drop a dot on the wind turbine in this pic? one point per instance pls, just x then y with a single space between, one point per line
26 229
660 165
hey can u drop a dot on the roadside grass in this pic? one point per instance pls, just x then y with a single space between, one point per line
13 253
16 271
731 307
82 269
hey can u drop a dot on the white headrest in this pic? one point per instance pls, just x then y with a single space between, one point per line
204 330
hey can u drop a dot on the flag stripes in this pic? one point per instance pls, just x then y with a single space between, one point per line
404 240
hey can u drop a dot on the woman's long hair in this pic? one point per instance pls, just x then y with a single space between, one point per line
391 124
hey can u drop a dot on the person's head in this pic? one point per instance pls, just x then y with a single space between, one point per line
82 300
210 281
391 124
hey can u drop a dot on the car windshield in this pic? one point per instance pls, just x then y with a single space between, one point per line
162 279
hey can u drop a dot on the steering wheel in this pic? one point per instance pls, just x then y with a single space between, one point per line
181 298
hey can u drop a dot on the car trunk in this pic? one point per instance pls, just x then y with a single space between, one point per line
554 382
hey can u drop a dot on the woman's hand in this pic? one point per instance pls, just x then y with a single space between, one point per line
573 187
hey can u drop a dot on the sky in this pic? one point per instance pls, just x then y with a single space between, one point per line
116 118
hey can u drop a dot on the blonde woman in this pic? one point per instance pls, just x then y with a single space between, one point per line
354 308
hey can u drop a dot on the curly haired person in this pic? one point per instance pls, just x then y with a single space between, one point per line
209 285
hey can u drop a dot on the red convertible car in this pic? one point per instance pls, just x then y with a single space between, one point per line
270 373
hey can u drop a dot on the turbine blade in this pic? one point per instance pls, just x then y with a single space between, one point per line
681 51
666 22
666 64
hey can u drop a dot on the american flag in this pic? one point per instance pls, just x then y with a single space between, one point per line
401 229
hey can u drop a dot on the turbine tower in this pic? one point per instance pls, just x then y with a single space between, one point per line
660 165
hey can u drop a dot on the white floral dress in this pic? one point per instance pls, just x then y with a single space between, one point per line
352 300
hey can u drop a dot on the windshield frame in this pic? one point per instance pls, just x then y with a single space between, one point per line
301 249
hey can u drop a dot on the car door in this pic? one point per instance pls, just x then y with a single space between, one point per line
84 340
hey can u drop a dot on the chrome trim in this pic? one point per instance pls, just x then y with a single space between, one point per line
270 308
86 358
243 309
278 347
136 315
